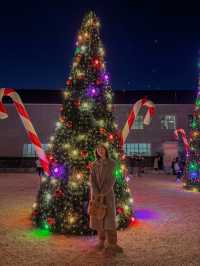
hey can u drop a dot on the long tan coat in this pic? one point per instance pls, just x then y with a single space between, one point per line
102 181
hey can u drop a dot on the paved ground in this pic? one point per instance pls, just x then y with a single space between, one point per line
167 231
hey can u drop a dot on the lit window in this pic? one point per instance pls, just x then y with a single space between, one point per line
137 149
138 124
29 150
168 122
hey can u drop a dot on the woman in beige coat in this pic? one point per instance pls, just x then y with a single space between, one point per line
102 181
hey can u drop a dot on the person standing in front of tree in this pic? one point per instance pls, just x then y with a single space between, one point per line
102 181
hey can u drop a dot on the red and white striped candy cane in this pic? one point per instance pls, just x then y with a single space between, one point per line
184 138
134 113
27 124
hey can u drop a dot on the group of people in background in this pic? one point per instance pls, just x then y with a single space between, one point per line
135 165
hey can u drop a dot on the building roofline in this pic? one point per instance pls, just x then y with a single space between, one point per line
120 97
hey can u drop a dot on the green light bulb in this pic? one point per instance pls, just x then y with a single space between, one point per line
194 124
193 166
198 102
46 226
78 50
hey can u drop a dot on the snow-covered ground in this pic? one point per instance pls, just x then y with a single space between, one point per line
166 232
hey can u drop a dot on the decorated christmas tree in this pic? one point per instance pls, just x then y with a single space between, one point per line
193 157
86 120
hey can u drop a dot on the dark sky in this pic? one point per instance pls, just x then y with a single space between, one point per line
148 45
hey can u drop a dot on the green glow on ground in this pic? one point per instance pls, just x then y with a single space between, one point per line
38 233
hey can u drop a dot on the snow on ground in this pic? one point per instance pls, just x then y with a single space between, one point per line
166 232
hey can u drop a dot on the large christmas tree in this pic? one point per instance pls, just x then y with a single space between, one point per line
193 160
86 120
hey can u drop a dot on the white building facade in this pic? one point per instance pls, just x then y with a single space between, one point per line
44 111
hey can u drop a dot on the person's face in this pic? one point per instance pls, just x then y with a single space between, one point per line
101 151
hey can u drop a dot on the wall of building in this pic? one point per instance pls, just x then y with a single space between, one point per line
13 135
153 133
44 117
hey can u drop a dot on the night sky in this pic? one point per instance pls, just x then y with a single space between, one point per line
148 46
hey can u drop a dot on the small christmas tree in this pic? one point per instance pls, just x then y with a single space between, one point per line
193 157
86 120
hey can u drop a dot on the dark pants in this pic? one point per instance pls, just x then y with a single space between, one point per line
40 171
178 175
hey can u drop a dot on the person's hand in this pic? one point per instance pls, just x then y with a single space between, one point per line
125 171
100 196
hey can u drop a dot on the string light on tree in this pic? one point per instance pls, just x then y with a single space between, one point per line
101 51
34 205
80 38
92 91
101 123
71 220
126 208
54 181
67 94
58 124
48 196
75 64
108 95
83 48
86 35
110 137
107 144
74 153
73 184
109 107
52 138
43 179
67 146
86 106
49 145
79 176
131 200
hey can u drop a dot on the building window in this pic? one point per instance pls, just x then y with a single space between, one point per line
168 122
137 149
29 150
138 124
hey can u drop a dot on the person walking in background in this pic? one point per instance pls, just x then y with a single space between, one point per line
102 182
39 168
160 162
155 164
141 165
178 170
129 164
173 168
137 166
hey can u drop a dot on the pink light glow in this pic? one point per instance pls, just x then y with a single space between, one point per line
56 170
127 178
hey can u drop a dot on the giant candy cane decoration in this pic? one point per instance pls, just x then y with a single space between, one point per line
134 113
184 138
27 124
